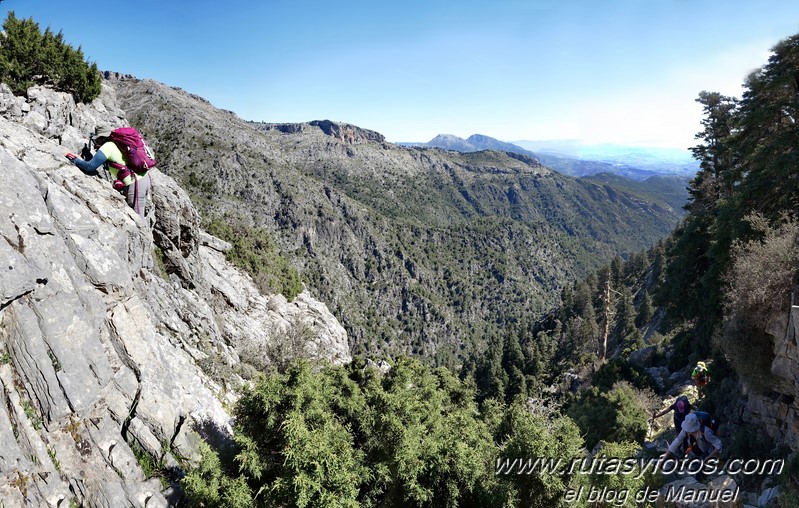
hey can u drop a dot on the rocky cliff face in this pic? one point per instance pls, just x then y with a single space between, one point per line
118 337
777 412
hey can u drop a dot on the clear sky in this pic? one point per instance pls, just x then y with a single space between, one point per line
618 71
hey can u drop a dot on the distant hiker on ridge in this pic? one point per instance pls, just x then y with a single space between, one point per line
123 152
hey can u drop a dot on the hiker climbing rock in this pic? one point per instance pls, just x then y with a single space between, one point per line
681 408
700 375
127 158
700 427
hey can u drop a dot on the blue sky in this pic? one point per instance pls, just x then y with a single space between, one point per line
618 71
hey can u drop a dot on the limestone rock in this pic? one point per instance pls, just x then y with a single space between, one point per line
776 412
642 356
177 229
101 354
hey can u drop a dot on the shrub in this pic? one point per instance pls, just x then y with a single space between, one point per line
29 57
615 416
619 369
209 485
528 435
623 487
283 349
750 442
757 295
349 436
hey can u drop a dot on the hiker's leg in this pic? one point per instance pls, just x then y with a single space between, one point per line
144 191
137 194
130 195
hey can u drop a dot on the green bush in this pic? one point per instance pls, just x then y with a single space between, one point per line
623 486
619 369
29 57
525 434
350 436
616 416
210 486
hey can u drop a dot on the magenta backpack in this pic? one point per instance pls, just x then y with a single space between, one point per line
137 154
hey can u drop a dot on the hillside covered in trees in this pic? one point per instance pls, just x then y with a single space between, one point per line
714 290
719 289
711 291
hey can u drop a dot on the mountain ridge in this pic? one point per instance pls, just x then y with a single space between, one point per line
409 247
578 159
474 143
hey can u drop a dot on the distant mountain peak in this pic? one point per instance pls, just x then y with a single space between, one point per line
447 136
450 142
480 138
475 143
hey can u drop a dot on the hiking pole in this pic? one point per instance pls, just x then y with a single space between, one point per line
86 153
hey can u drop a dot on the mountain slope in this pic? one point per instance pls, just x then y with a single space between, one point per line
672 190
415 250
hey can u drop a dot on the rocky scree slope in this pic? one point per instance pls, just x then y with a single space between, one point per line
101 356
418 251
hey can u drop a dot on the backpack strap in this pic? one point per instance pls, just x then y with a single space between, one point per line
122 171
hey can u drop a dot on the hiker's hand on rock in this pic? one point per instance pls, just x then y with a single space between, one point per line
70 156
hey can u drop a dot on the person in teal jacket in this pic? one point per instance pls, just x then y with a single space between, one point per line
135 187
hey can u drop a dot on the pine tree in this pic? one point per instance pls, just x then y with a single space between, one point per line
767 143
645 311
696 257
29 57
625 329
635 266
490 376
658 263
513 365
716 177
617 271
